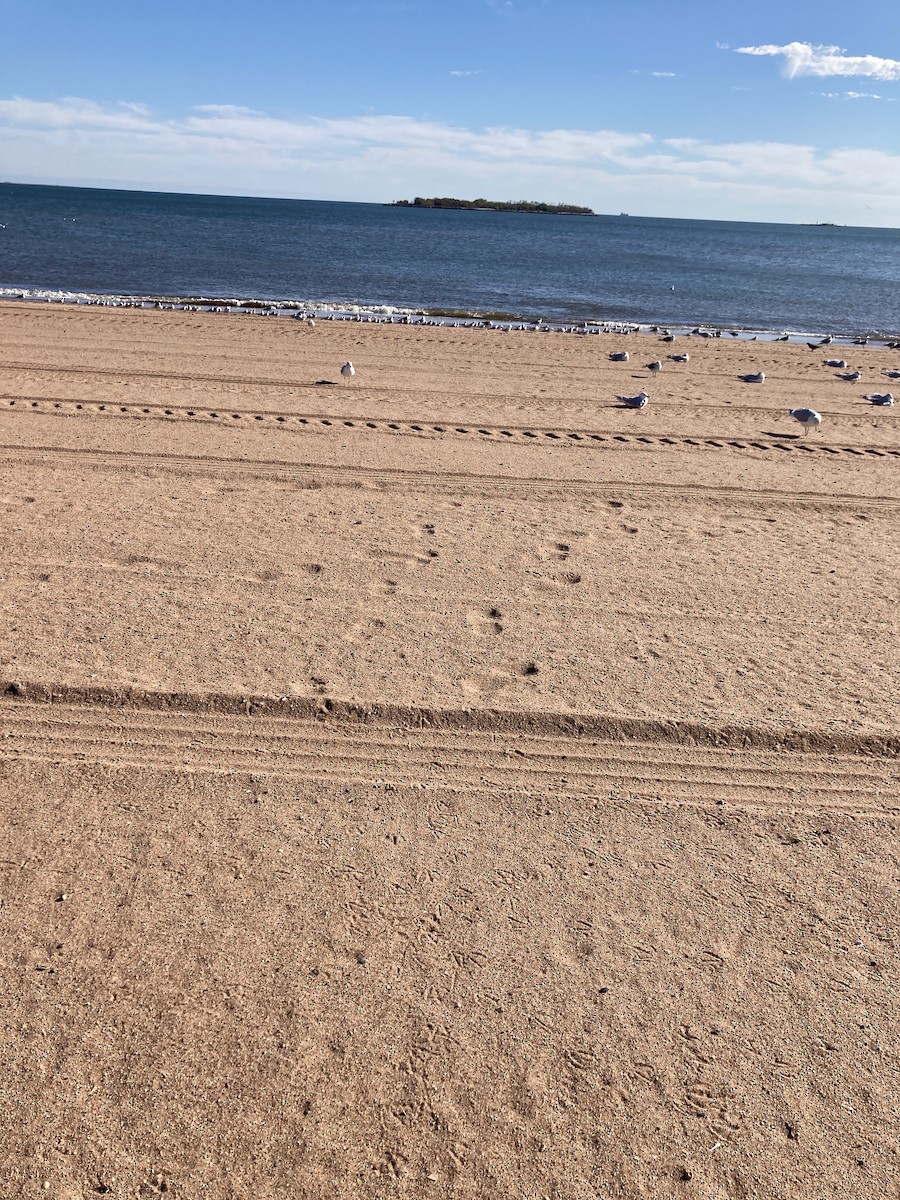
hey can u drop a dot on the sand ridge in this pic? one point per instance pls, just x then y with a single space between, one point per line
446 783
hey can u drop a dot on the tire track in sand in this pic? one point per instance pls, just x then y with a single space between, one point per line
383 752
607 438
309 475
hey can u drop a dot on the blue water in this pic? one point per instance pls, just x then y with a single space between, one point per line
606 269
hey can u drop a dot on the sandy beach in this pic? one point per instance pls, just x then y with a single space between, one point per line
445 782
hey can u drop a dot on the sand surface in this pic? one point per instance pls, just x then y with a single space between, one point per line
447 783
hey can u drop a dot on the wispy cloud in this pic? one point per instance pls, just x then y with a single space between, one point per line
466 74
72 112
663 74
802 58
854 96
225 128
237 150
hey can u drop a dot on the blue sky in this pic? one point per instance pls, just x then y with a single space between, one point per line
755 111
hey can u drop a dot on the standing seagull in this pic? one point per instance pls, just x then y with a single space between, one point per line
656 365
808 418
348 370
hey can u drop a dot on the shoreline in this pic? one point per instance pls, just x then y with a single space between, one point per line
439 316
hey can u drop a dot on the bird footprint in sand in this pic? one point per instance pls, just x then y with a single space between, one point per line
486 621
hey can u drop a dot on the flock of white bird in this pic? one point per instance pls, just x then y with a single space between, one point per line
807 417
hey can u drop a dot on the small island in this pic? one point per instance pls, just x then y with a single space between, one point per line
482 205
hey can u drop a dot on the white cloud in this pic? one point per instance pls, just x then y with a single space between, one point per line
466 74
227 110
71 112
802 58
217 128
853 96
663 74
236 150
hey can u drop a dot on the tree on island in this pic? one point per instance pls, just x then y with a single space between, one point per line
482 205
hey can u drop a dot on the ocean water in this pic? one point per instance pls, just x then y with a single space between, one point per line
320 255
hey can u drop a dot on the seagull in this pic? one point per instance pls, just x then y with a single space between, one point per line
840 363
311 323
669 337
808 418
348 370
759 377
656 365
882 399
892 374
680 357
827 340
641 400
852 376
620 356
